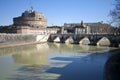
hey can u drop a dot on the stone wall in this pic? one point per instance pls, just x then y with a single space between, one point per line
14 38
20 39
29 30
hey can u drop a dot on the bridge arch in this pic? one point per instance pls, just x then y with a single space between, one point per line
69 40
84 41
57 39
104 41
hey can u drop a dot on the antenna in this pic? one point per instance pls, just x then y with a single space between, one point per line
30 5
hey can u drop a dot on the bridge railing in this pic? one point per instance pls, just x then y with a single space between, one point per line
90 34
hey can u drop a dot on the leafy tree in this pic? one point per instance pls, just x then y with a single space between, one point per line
115 14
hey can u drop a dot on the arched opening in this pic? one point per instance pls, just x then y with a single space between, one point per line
69 40
57 40
103 42
84 41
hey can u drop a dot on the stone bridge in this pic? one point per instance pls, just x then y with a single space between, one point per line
89 39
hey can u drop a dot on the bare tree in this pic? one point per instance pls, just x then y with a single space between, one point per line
115 14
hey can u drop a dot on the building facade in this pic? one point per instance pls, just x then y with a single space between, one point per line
31 18
32 22
89 28
76 28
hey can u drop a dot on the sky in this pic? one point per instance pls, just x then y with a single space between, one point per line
58 12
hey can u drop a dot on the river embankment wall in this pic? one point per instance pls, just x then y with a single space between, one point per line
7 40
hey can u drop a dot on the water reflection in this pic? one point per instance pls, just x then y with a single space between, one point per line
77 48
52 47
30 58
78 68
53 61
34 56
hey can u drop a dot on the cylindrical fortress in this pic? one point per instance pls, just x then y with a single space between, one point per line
31 18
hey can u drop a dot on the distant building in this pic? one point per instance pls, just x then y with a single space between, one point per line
88 28
32 22
31 18
76 28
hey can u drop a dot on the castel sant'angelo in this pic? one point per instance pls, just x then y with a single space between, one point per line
31 18
32 22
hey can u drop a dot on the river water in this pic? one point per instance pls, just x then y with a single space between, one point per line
53 61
